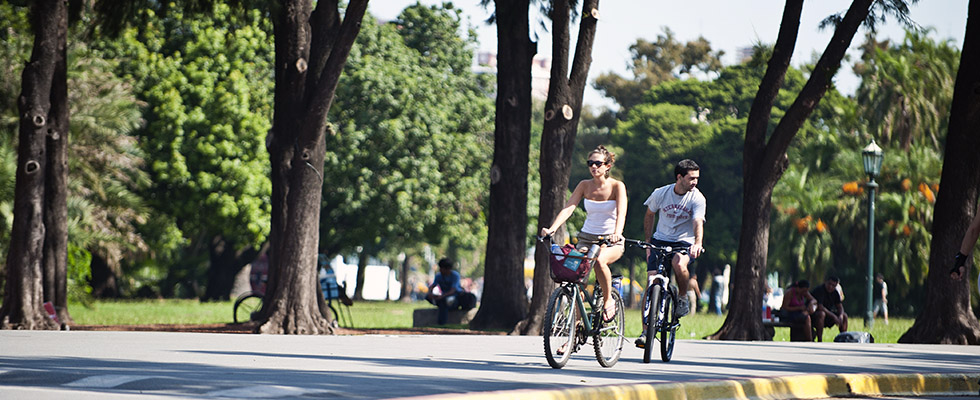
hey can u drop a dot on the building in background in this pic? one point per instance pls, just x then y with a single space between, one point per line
486 63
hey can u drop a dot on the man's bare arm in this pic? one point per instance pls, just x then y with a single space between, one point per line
648 219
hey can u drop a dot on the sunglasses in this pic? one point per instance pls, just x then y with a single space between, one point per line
592 163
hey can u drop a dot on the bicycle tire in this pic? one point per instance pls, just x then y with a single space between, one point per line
667 331
653 320
246 306
608 340
558 331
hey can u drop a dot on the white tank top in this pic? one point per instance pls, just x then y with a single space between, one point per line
600 217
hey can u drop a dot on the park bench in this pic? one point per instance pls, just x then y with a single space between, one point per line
796 333
430 317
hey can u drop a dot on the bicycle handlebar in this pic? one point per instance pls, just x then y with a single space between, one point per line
601 240
666 249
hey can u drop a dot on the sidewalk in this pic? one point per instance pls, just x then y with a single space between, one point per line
54 365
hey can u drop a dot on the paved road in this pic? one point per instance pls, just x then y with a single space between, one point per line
47 365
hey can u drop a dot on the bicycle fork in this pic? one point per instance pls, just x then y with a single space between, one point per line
660 280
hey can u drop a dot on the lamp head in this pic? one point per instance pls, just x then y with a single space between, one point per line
872 156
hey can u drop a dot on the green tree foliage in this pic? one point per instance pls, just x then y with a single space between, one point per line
701 120
104 210
207 83
907 88
15 47
656 62
408 161
821 204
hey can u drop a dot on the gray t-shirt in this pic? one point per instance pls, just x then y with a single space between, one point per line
676 213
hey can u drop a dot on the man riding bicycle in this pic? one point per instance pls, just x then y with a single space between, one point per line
678 209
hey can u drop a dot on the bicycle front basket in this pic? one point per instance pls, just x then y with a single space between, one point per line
569 265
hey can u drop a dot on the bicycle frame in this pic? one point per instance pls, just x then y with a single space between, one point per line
564 332
659 316
579 291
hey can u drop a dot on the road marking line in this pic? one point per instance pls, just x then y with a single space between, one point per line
261 392
106 381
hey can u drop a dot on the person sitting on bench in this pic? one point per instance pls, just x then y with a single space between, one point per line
452 296
797 306
830 307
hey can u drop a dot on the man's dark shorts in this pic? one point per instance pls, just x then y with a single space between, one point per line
654 259
828 321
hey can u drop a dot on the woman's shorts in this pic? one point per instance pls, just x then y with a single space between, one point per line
586 240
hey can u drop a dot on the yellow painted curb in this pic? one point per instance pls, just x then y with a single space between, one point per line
786 387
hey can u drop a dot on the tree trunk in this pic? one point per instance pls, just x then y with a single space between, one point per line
225 262
765 161
38 110
744 320
56 189
362 262
947 316
311 49
406 292
558 140
103 281
504 301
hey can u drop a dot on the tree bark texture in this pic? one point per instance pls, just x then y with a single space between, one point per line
558 139
56 188
312 46
764 161
24 287
947 316
504 301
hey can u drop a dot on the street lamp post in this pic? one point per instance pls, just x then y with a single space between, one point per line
872 156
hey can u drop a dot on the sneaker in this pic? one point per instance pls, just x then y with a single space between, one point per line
641 341
683 307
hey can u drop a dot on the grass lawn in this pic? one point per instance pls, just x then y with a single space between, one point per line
398 315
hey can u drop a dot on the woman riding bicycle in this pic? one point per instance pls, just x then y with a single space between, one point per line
605 206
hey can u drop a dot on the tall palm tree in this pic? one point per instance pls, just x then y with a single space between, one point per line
907 88
105 166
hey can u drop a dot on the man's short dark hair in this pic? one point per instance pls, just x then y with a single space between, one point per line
685 165
833 278
445 262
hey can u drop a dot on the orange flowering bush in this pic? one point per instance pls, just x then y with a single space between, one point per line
803 224
906 184
852 189
821 227
927 192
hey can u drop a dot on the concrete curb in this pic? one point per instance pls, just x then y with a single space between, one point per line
788 387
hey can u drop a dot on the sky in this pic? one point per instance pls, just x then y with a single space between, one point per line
727 24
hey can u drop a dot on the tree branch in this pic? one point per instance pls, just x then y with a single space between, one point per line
761 112
322 96
820 80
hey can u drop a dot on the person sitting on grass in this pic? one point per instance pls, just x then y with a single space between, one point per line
451 295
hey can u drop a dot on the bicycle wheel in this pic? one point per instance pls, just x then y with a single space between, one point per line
653 319
667 329
246 305
608 341
559 327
